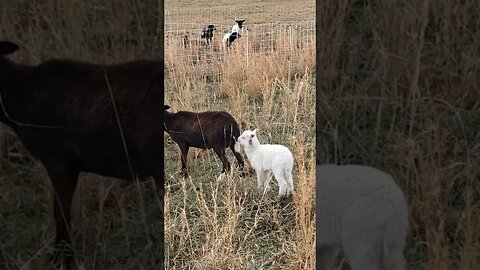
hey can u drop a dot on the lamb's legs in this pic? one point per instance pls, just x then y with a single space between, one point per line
289 182
282 183
326 257
184 149
394 245
262 177
362 250
397 261
259 179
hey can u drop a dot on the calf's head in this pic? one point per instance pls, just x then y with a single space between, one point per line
166 115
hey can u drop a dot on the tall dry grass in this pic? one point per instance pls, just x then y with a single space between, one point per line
115 224
229 224
398 90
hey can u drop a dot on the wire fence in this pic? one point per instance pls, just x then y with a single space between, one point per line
183 34
219 15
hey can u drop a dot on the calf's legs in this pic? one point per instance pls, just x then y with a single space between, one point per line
64 180
184 152
326 257
237 155
221 154
240 161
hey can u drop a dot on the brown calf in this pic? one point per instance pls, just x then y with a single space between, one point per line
77 116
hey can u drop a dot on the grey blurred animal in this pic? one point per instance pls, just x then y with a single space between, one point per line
361 211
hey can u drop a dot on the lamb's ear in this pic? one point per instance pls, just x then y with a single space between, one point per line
166 107
255 131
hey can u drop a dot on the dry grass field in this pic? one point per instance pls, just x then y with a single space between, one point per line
265 82
268 11
398 89
111 218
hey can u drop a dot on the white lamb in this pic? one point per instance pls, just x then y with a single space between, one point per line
235 33
361 210
268 158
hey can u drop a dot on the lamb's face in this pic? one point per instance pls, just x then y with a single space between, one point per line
240 23
248 137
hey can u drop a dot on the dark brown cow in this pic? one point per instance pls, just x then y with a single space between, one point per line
64 114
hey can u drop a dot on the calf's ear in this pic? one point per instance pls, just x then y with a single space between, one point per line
166 107
7 47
